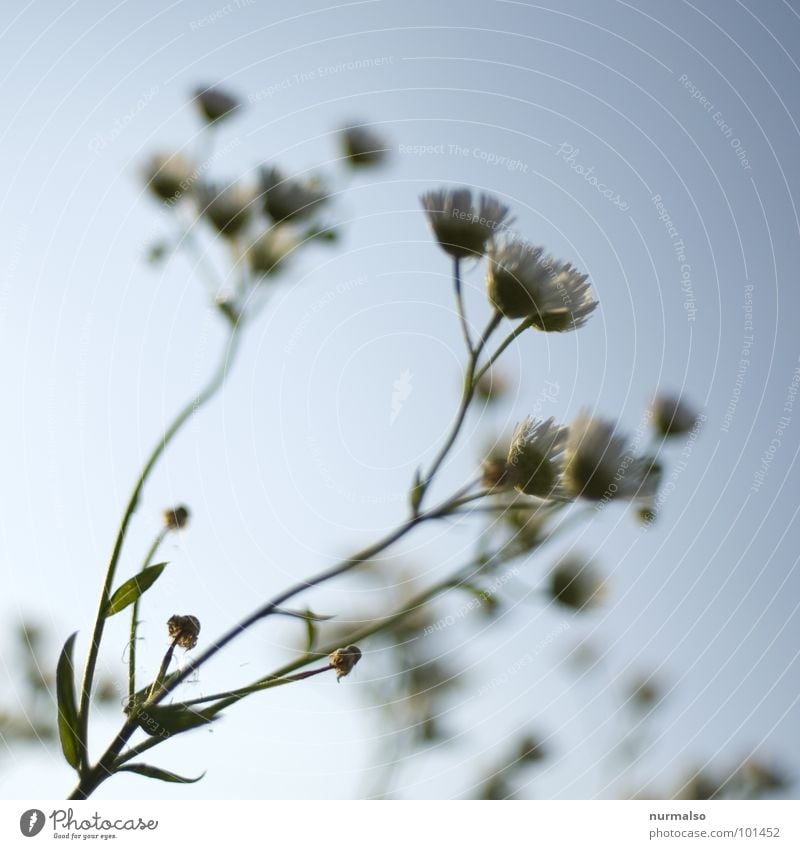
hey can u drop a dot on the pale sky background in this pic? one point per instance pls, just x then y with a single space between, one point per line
298 461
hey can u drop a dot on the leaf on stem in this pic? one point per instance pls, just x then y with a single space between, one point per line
133 588
68 724
307 615
167 720
156 772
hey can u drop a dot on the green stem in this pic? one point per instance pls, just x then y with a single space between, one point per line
518 331
214 384
135 615
467 394
90 779
462 312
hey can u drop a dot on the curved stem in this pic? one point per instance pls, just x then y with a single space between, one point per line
151 553
518 331
214 384
462 312
467 394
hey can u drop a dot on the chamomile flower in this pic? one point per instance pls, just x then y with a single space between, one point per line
464 227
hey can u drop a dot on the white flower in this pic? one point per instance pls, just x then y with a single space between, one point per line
228 209
522 282
536 457
462 228
270 250
285 198
600 465
169 175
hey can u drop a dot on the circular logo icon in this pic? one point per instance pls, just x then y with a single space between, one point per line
31 822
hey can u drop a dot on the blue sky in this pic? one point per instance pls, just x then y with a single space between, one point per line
653 145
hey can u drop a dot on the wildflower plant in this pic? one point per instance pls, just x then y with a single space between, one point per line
529 491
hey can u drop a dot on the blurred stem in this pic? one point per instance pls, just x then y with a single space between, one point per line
467 394
151 553
462 312
208 391
518 331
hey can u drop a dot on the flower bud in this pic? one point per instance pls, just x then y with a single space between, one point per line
362 146
672 416
183 630
215 104
575 584
176 518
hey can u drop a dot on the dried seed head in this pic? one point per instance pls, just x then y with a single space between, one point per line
343 660
176 518
184 630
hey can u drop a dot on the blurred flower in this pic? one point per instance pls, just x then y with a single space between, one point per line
215 104
672 416
536 457
169 175
286 198
269 250
530 750
176 518
228 209
184 630
645 693
524 283
461 228
574 583
343 660
600 465
363 146
491 386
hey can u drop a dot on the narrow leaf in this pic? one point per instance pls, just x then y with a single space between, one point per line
307 615
133 588
167 720
67 706
311 636
160 774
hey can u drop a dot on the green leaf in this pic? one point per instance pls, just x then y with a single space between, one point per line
417 491
68 723
160 774
167 720
311 636
133 588
307 615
